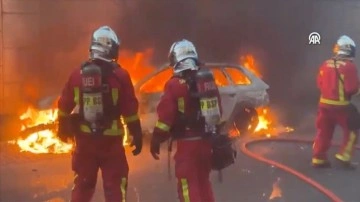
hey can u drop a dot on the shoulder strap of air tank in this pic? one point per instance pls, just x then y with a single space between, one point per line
114 92
115 66
85 63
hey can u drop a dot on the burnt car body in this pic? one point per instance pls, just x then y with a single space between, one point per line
240 89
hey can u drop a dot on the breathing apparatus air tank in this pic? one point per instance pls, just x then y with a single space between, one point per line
208 97
92 95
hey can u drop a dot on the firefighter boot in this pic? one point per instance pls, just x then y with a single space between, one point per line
347 164
320 163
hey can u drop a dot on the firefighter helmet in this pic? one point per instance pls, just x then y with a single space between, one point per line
186 64
104 44
345 46
181 50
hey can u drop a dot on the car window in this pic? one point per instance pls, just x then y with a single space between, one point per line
157 83
237 76
220 78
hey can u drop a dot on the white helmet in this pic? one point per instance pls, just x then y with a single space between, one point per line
186 64
345 46
181 50
104 44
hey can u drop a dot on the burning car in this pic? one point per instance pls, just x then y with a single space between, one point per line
242 92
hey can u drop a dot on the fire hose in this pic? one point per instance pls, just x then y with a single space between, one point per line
244 148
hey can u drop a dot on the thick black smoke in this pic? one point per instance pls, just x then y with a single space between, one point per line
276 32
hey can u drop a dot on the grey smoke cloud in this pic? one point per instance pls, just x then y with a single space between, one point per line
276 32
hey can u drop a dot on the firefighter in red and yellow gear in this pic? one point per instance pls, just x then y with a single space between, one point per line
178 119
103 93
337 81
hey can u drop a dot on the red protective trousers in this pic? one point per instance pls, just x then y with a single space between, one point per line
326 121
106 153
192 169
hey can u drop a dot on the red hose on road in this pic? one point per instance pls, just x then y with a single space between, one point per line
322 189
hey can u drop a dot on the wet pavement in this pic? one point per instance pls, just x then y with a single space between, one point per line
35 178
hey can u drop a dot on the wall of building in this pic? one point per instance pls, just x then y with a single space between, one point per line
19 50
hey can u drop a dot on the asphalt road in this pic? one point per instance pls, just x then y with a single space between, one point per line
34 178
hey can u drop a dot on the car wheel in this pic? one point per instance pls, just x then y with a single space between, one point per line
246 120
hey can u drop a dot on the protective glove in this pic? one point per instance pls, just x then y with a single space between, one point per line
155 148
137 142
157 138
136 132
64 132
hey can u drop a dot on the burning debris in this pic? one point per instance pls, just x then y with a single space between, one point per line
276 190
41 141
268 124
39 127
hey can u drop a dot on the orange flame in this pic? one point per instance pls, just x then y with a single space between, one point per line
138 64
44 141
268 124
248 61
